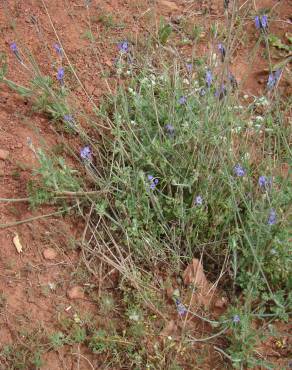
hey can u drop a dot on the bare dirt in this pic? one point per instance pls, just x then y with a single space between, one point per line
36 290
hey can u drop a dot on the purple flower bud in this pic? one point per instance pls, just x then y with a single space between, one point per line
261 22
58 49
182 100
272 219
273 79
153 182
13 47
222 50
264 21
209 78
264 182
239 170
86 154
220 93
198 200
257 22
169 129
189 67
60 75
181 308
123 46
68 118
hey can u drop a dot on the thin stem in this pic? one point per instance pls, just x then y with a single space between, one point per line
58 195
11 224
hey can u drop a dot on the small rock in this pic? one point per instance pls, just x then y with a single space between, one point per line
169 4
220 302
4 154
49 254
76 292
109 63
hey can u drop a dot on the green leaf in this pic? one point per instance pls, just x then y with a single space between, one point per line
277 43
282 64
164 32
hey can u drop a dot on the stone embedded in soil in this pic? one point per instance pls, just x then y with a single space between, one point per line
49 254
17 146
220 302
76 292
4 154
169 4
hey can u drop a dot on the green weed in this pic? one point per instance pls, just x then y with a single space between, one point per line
178 177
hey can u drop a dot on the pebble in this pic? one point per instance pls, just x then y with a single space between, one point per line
49 254
4 154
220 302
76 292
169 4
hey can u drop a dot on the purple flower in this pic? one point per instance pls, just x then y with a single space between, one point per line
222 50
264 21
68 118
273 79
86 154
13 47
153 182
209 78
261 22
236 319
239 170
181 308
220 93
189 67
182 100
60 75
257 22
123 46
169 129
58 49
272 217
198 200
264 182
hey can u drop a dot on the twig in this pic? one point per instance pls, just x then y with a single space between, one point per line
58 195
10 224
14 200
208 338
223 353
85 358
